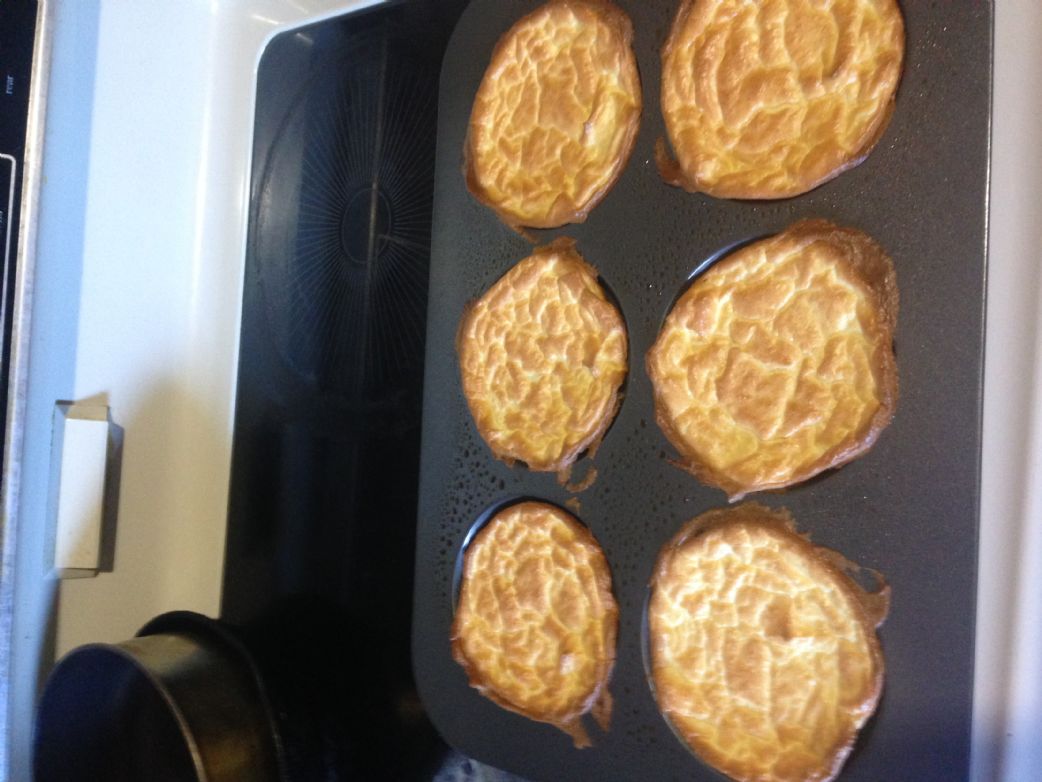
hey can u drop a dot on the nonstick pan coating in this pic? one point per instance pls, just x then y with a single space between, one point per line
909 508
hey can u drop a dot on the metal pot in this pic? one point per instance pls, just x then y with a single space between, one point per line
181 701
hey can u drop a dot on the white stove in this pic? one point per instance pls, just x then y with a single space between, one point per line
129 301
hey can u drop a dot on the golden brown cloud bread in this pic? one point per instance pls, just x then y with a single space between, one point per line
778 363
770 99
536 621
542 356
556 115
763 651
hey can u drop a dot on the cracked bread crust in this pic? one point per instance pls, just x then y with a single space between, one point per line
543 354
536 623
777 363
556 116
764 655
771 99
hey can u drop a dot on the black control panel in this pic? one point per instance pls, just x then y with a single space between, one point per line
18 20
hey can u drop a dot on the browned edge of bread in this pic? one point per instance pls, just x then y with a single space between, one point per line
875 270
562 213
563 466
873 606
673 174
600 703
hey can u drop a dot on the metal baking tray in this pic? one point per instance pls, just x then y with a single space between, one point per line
908 508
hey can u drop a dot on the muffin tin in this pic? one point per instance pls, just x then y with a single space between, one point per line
908 508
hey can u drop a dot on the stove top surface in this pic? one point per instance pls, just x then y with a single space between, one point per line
322 516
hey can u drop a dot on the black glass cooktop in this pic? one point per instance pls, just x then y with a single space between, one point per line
322 517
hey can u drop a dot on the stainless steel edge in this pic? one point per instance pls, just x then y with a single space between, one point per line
13 436
1008 686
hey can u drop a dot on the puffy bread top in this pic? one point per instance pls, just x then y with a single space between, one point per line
556 115
769 99
764 654
777 363
542 357
536 622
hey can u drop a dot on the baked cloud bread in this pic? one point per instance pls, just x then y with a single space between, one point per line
556 115
542 358
777 363
763 651
536 621
770 99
